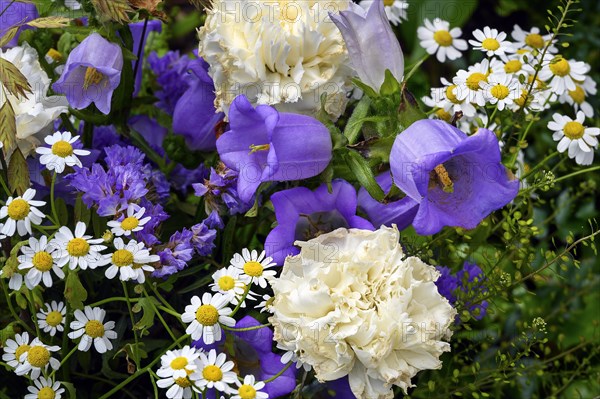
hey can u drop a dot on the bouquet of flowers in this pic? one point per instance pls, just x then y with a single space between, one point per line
255 199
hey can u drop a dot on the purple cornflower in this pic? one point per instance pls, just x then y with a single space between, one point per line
177 253
170 71
467 284
157 216
14 13
220 192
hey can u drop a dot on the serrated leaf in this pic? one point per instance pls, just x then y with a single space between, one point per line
49 22
12 79
9 35
114 10
75 293
147 306
18 173
358 165
8 125
356 120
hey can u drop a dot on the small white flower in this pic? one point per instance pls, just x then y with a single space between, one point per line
578 97
178 363
500 89
437 38
254 266
395 10
573 135
532 40
45 389
21 212
179 388
14 349
90 327
265 304
514 65
134 221
52 318
80 249
38 357
291 355
40 257
445 98
250 389
491 42
467 83
60 152
130 261
228 281
205 315
562 73
15 281
215 372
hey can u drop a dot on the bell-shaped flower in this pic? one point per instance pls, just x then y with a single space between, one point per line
92 73
265 145
371 42
303 214
454 179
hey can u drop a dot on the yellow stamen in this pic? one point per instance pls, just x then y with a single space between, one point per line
212 373
54 318
474 79
574 130
499 91
534 40
92 78
490 44
444 178
38 356
122 257
78 247
42 261
207 315
253 269
261 147
94 329
62 148
18 209
443 38
560 67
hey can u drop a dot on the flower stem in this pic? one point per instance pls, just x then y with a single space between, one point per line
242 299
169 311
63 361
33 313
233 329
579 172
136 357
53 202
12 309
113 299
287 366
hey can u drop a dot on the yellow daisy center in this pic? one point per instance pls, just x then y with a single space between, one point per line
179 363
499 91
443 115
560 67
450 95
474 79
247 392
38 356
534 40
54 318
574 130
62 149
54 54
523 99
122 257
212 373
130 223
92 77
207 315
388 3
94 329
42 261
490 44
578 95
513 66
18 209
46 393
443 38
20 350
253 269
78 247
226 283
183 382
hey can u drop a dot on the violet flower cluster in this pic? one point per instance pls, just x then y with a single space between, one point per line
468 284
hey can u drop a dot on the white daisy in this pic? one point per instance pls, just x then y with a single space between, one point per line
178 363
130 223
445 99
500 89
205 315
514 65
572 134
179 388
52 318
265 304
14 349
228 281
21 212
437 38
250 389
254 266
491 42
395 10
578 97
531 40
215 372
90 327
40 257
38 357
45 389
16 280
292 356
562 73
130 261
80 249
467 83
60 152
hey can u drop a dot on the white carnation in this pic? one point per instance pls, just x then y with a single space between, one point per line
285 53
36 112
352 304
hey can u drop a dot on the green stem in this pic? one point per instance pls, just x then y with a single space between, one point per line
136 357
169 311
539 165
579 172
491 118
64 360
287 366
245 328
246 292
4 186
12 309
33 312
513 159
113 299
162 320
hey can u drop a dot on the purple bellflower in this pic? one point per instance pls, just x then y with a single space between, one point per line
303 214
14 13
265 145
92 73
371 42
454 179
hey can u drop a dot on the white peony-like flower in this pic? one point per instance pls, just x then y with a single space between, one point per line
351 303
285 53
37 111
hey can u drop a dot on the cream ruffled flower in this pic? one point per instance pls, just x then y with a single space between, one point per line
372 313
285 53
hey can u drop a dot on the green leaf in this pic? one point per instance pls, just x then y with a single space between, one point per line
409 111
7 333
82 212
368 90
75 293
70 389
390 85
148 306
63 212
18 173
356 120
8 125
359 166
